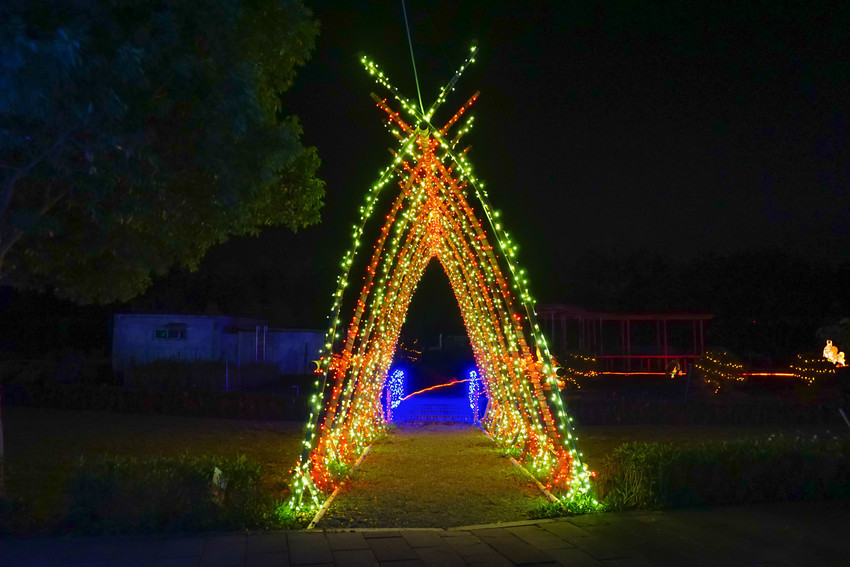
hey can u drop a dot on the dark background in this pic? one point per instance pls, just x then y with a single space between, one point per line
679 130
683 156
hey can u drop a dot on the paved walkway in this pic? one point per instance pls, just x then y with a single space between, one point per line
804 533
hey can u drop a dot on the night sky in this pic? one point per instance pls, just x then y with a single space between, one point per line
617 127
675 130
607 126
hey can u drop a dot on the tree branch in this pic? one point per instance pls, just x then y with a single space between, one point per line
6 245
9 185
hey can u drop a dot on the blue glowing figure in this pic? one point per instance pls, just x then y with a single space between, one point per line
476 389
394 392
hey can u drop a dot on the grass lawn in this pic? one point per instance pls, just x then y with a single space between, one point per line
42 445
426 476
442 476
433 476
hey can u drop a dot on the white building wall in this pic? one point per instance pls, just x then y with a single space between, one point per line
134 338
294 350
211 338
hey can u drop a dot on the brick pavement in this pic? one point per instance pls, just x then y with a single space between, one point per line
802 533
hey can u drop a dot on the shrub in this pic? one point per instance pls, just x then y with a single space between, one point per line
124 494
580 505
16 517
288 519
655 475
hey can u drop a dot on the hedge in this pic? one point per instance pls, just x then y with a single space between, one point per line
775 469
153 494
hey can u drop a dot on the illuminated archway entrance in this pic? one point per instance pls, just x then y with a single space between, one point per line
440 214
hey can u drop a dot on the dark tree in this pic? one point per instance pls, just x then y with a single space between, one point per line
136 134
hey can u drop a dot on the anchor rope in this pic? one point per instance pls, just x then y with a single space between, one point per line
410 43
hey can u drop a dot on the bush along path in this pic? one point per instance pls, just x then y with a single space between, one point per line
778 468
433 476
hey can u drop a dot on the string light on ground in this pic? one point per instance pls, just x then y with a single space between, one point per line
719 368
811 368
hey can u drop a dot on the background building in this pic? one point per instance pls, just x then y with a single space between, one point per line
235 342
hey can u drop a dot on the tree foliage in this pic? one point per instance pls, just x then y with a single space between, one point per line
136 134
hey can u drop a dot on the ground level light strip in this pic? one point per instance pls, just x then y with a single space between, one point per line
452 383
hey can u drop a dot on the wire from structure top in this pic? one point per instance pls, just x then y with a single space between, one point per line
412 60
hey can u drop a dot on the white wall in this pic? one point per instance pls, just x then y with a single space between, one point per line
133 339
211 338
294 350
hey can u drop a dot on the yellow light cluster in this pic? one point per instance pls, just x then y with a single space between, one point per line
811 368
575 365
718 368
431 219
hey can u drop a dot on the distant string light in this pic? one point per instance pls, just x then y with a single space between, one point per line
719 368
811 368
432 388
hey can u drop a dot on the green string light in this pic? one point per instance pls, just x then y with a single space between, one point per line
431 218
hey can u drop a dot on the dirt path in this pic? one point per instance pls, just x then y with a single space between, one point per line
433 476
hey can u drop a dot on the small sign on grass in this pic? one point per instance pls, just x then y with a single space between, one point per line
219 480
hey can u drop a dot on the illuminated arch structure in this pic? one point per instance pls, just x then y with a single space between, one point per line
433 218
